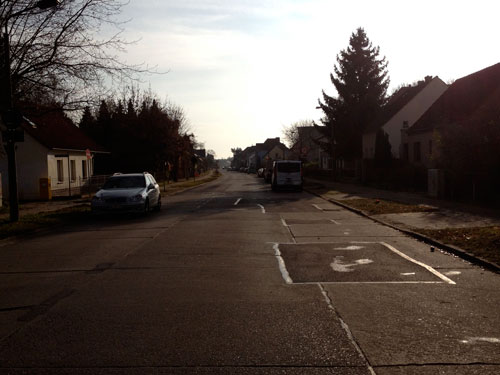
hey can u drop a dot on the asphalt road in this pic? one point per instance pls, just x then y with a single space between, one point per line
232 278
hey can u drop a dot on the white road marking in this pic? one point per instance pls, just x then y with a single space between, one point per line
367 282
475 340
349 248
262 208
453 273
345 327
284 222
317 207
335 222
281 264
407 273
428 268
338 264
237 201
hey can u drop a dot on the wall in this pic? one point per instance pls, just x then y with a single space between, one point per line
412 112
31 164
428 148
63 188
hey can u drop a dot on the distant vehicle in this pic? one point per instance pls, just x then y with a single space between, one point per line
131 192
287 174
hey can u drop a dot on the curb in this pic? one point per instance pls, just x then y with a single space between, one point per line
474 259
191 187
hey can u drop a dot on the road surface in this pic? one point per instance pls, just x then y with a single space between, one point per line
232 278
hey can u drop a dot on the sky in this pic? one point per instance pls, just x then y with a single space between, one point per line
242 70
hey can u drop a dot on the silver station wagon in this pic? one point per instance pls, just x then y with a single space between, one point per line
131 192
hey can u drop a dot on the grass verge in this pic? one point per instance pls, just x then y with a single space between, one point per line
379 207
481 241
179 186
30 223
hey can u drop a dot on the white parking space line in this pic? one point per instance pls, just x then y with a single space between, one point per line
367 282
262 208
317 207
288 280
428 268
284 222
335 222
237 201
281 264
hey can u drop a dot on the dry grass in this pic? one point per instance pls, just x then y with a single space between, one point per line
483 241
30 223
379 207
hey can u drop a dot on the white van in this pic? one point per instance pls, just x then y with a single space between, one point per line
287 174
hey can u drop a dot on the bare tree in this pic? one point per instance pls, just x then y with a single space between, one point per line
68 53
291 132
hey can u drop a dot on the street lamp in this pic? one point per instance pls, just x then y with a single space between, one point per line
12 119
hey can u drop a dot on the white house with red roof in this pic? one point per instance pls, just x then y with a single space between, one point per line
55 151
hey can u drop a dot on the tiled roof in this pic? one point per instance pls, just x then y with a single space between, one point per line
395 103
476 96
55 130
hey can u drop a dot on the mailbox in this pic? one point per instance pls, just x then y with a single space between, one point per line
45 189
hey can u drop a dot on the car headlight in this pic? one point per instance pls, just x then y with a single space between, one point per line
136 198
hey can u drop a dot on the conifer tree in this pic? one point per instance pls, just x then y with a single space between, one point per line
360 79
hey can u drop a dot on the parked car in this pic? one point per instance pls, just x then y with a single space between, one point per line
131 192
287 174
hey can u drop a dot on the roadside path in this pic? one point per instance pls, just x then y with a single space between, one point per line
31 208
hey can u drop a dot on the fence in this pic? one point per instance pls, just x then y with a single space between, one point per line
78 187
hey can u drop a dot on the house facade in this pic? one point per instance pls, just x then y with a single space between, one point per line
476 96
52 157
402 110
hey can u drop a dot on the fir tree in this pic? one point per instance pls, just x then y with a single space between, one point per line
361 81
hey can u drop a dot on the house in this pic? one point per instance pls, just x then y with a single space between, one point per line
274 149
308 149
402 110
54 151
476 96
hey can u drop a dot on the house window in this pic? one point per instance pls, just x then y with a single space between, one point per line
72 164
84 168
60 171
430 147
406 153
416 152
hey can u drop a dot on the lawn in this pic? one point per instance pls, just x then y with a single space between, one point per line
379 207
483 242
31 223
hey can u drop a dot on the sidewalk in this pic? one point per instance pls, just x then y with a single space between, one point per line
436 216
36 207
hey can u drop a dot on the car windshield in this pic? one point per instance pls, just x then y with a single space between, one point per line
288 167
125 182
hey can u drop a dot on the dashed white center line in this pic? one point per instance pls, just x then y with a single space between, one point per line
237 201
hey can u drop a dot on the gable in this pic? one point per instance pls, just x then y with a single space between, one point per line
474 96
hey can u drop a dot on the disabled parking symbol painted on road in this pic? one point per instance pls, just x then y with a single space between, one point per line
338 265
